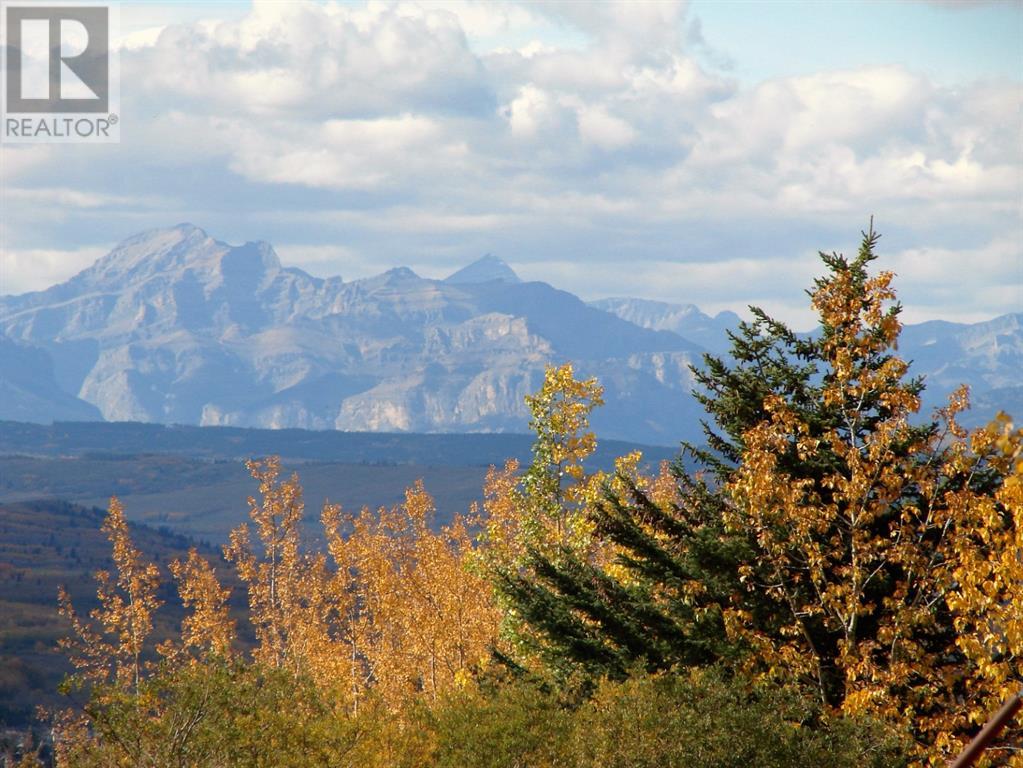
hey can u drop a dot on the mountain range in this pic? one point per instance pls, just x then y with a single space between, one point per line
174 326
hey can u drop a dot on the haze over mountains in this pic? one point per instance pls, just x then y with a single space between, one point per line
174 326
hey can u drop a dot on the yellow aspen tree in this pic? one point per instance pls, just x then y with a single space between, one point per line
988 583
342 591
553 488
422 621
288 600
498 523
855 516
543 507
542 510
207 630
453 607
107 649
110 648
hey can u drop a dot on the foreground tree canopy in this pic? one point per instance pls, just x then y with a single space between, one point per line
829 580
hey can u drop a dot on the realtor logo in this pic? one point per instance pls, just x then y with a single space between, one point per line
59 79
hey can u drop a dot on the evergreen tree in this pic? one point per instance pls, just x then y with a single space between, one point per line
657 602
768 359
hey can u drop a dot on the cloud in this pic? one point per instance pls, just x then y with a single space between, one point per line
36 269
318 61
933 279
592 145
345 154
71 198
850 141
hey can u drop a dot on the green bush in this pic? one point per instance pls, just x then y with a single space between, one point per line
698 718
702 718
238 715
515 725
250 717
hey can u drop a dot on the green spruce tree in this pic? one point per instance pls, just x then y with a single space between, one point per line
679 567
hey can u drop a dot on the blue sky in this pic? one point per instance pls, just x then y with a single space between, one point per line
697 152
949 42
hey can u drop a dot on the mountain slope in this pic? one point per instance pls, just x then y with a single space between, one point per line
684 319
29 390
484 270
988 356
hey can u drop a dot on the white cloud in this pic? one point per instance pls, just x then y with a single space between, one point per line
36 269
934 280
313 60
586 142
71 198
345 154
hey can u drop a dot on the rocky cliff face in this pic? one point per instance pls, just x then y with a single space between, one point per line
988 356
174 326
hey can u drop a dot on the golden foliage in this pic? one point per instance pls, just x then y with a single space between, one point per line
110 647
987 575
398 611
866 557
543 509
422 622
208 629
285 602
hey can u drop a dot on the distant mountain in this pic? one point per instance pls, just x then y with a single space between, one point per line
29 389
173 326
684 319
987 355
483 271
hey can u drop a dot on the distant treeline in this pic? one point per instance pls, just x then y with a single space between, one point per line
131 438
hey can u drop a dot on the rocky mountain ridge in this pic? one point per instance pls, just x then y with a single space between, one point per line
174 326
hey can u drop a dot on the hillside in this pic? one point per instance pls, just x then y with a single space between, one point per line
112 439
205 500
43 545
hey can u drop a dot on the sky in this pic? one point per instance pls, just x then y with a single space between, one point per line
697 152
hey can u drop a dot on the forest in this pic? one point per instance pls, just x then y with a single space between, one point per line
827 580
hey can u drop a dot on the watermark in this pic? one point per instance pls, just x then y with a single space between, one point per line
61 75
